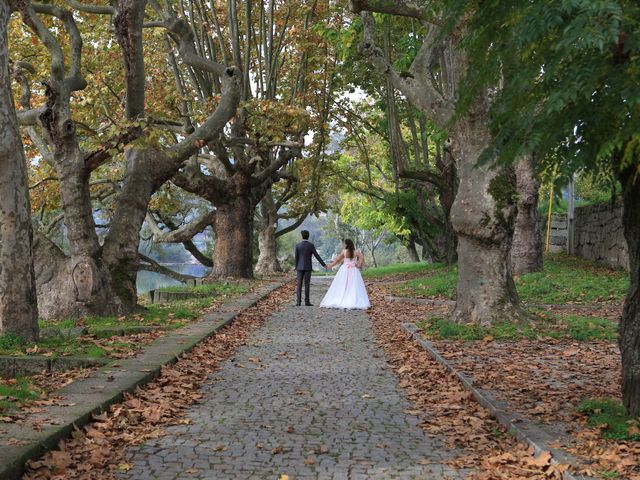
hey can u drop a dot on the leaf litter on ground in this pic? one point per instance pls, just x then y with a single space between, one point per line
98 451
543 379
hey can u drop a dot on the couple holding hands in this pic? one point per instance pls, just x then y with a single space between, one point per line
347 289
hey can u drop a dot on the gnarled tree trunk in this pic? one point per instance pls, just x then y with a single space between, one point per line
267 239
18 309
233 229
483 212
483 216
526 252
629 339
70 287
95 279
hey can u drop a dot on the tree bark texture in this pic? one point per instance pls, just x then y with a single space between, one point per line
18 306
483 212
446 165
267 240
233 228
629 339
483 215
412 251
526 252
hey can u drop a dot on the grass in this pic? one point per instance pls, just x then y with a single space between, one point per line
440 282
573 280
610 415
564 280
400 269
15 393
165 316
590 328
553 326
209 289
610 474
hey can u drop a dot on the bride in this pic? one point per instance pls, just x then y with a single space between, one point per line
347 290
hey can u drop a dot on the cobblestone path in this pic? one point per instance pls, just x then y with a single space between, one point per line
309 396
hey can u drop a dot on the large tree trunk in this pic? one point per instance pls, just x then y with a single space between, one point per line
483 216
412 251
18 308
526 252
120 251
79 284
446 165
483 212
267 240
629 339
233 229
70 287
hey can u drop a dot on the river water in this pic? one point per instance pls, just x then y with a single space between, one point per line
147 281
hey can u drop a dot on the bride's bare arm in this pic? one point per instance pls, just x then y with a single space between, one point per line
336 261
360 259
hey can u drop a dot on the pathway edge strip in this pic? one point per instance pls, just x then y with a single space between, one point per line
503 417
12 465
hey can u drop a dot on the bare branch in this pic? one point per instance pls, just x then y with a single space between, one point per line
184 233
284 157
30 117
418 91
74 79
150 265
293 226
89 8
213 125
403 8
44 180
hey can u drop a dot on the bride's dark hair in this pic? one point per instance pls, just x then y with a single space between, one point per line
348 244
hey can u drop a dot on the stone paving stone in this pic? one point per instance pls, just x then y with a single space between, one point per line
310 396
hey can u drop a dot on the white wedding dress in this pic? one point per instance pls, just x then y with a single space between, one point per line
347 290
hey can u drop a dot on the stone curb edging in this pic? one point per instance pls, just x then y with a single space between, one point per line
524 430
11 366
84 398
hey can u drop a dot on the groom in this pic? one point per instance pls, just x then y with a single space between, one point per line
304 250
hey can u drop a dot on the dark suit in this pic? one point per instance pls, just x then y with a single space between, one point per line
304 250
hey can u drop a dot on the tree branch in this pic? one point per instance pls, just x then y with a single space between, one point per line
74 79
293 226
103 154
418 90
185 233
89 8
193 180
284 157
403 8
151 265
215 123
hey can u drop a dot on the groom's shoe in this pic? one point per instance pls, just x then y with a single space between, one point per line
308 304
298 305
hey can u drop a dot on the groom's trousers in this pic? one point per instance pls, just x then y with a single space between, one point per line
303 276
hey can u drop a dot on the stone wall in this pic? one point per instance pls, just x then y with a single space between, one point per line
599 234
558 236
